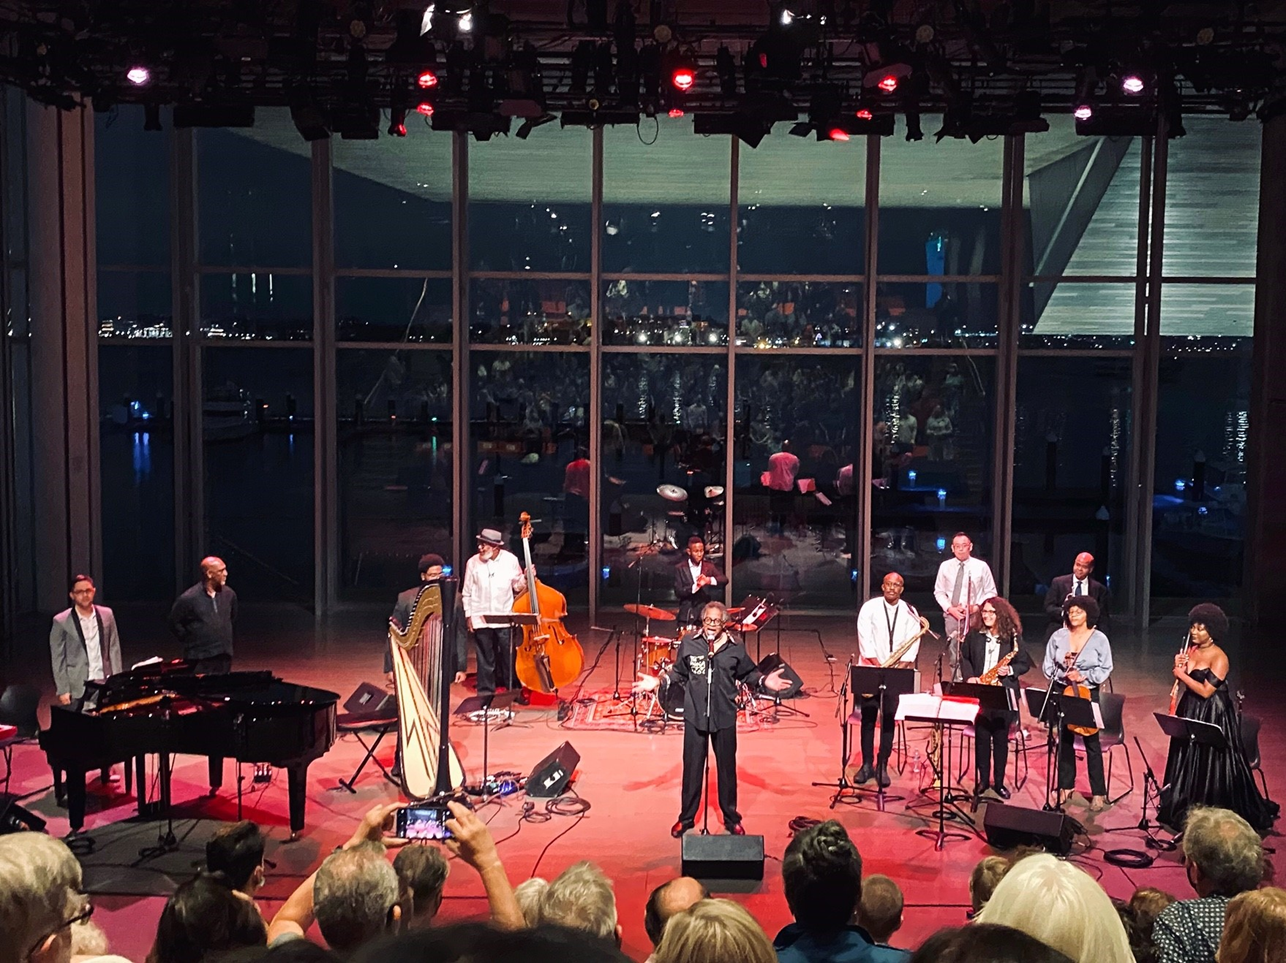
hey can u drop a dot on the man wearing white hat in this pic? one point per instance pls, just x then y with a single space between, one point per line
492 580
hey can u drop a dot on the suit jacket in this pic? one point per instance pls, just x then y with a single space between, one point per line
1061 587
691 603
69 656
455 630
973 656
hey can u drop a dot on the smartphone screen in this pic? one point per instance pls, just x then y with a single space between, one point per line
423 822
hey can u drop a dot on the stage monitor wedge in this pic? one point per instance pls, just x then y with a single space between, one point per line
551 776
1010 826
723 857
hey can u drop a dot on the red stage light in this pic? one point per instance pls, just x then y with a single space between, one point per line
837 133
427 79
683 78
888 83
425 108
1083 112
676 112
863 114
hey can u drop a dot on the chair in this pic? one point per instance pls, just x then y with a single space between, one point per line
380 725
1250 742
1112 737
19 705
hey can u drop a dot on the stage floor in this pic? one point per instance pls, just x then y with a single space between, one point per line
631 781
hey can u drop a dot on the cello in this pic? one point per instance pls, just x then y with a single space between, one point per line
550 656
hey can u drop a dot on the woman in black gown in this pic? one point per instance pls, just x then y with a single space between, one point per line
1197 775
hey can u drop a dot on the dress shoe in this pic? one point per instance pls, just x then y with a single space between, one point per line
679 828
981 788
882 775
736 829
864 775
524 697
1002 792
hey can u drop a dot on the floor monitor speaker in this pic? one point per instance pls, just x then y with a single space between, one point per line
1010 826
723 857
552 774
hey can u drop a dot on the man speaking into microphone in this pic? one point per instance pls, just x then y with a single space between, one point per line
710 663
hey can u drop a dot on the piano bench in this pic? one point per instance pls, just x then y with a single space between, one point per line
359 725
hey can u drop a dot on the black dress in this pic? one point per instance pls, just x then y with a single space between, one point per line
1196 775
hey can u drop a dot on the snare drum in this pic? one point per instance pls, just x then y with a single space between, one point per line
656 649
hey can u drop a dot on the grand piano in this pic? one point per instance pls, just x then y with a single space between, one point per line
166 708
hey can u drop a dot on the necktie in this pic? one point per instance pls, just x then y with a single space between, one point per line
959 586
1080 589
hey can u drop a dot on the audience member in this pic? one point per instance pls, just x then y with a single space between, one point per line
666 900
1223 856
822 872
1139 916
985 943
581 898
1061 906
989 871
421 874
40 900
236 851
481 943
528 894
714 931
879 911
204 918
1254 928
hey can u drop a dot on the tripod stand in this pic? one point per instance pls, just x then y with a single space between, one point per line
847 720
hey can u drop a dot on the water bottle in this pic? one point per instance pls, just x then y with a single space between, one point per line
917 763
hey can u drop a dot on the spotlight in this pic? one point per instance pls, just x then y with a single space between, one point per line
466 22
786 18
888 83
1083 112
863 114
425 108
139 75
683 77
676 112
837 133
1132 84
426 78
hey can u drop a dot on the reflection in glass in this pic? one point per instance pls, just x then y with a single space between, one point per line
799 314
268 307
254 194
940 206
931 464
953 314
257 429
134 304
665 202
665 312
1071 453
1199 504
794 503
136 454
131 196
532 311
1082 315
393 201
1208 310
528 445
395 487
393 309
663 425
529 202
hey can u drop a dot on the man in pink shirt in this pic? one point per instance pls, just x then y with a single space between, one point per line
783 466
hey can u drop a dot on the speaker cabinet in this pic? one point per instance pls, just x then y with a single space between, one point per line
370 701
723 857
554 773
1010 826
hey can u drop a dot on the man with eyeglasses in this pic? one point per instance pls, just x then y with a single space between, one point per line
40 901
710 663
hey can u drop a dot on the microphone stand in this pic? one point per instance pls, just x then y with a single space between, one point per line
708 740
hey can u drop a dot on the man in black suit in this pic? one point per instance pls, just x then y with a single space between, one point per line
1078 583
692 577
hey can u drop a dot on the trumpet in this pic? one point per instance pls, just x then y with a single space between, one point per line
1175 689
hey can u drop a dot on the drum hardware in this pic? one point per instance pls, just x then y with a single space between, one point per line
672 493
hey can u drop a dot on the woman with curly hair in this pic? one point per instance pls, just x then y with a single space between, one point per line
996 634
1197 774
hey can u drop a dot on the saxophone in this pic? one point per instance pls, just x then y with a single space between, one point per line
896 656
992 675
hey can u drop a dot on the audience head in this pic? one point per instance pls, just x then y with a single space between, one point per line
203 917
879 911
822 872
666 900
581 898
1147 903
421 874
985 943
982 881
480 943
40 898
1254 929
1222 854
236 851
355 897
714 931
529 893
1060 905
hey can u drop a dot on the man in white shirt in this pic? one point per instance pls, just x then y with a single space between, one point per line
884 624
963 583
492 580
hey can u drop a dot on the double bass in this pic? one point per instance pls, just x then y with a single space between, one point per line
549 656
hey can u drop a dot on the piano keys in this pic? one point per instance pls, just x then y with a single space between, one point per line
164 708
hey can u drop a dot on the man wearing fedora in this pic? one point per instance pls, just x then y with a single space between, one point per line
492 580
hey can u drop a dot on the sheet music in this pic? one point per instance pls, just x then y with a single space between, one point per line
926 707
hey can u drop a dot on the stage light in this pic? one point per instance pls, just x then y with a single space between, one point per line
1083 112
139 75
837 133
683 78
863 114
466 22
675 112
425 108
888 83
1132 84
426 78
786 18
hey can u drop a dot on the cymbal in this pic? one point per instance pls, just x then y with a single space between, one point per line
714 491
672 493
655 640
649 612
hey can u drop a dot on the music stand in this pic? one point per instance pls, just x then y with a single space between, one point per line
882 683
756 612
1058 711
485 704
991 698
1192 731
945 713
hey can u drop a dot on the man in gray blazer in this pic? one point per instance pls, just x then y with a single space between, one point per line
83 643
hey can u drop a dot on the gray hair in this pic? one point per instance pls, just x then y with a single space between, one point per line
529 893
39 887
1225 849
581 898
353 895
